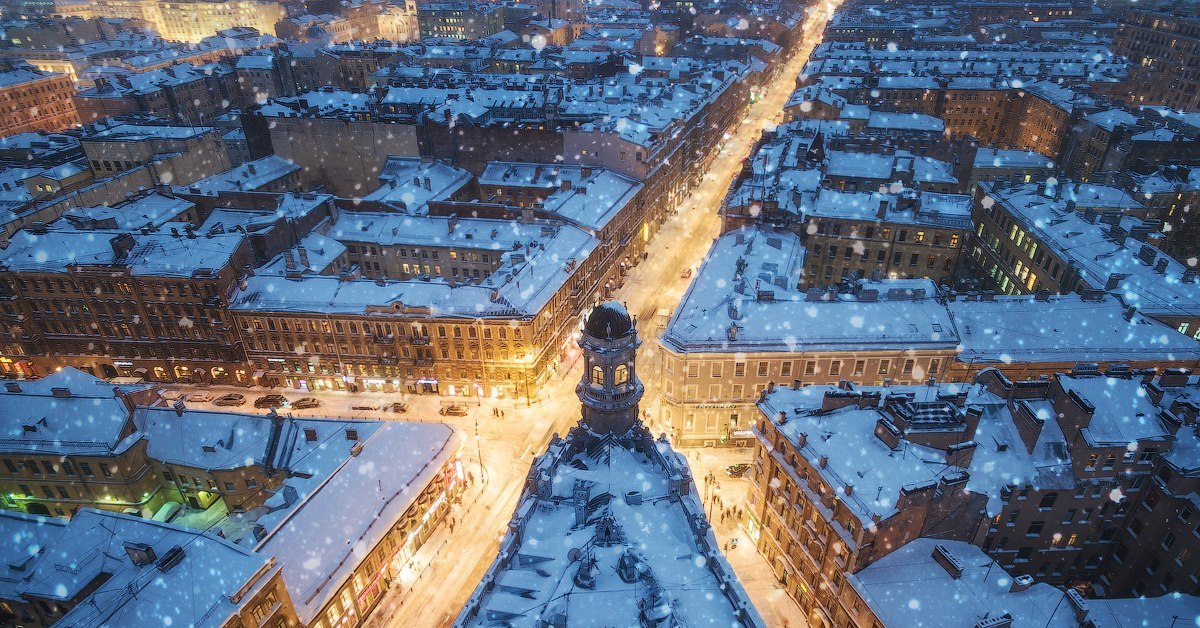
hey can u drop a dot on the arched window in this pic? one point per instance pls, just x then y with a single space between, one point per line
597 375
621 375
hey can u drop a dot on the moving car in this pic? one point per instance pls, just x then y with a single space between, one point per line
270 401
199 397
304 403
453 410
399 407
737 470
687 272
232 399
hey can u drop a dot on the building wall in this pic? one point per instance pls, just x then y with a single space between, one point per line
42 104
811 539
708 398
836 249
1164 50
381 565
344 156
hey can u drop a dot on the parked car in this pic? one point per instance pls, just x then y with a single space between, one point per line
398 407
232 399
687 272
304 403
199 397
363 408
270 401
737 470
171 395
453 410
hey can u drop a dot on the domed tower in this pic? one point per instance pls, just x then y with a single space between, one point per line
609 390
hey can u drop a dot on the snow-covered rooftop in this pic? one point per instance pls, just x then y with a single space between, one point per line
159 253
1124 413
909 587
749 279
585 196
663 538
67 412
409 183
528 277
853 455
249 176
194 591
1097 255
1062 328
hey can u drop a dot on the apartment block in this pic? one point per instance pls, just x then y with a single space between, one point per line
33 100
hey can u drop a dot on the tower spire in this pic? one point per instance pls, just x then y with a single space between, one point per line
609 390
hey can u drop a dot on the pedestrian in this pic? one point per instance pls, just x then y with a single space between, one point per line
726 546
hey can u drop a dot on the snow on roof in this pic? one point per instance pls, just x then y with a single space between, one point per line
1097 256
1002 158
410 182
1143 611
1062 328
25 537
845 439
1110 119
250 176
192 592
905 121
588 197
152 210
908 587
523 284
139 132
91 420
535 573
1002 459
155 254
744 263
855 164
367 494
1124 414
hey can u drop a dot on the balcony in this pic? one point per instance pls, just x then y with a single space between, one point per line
387 361
384 339
419 340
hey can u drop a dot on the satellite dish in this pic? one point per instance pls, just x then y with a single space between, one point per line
573 555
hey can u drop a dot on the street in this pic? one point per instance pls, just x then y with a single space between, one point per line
499 449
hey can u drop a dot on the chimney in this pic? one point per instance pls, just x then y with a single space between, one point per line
943 557
1114 280
140 553
1189 275
289 260
1160 266
251 169
122 245
61 393
303 252
881 213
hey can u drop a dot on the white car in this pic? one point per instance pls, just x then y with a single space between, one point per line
199 397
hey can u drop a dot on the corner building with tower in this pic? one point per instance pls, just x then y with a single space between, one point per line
609 525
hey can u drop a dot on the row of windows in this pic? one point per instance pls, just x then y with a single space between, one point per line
50 469
811 367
